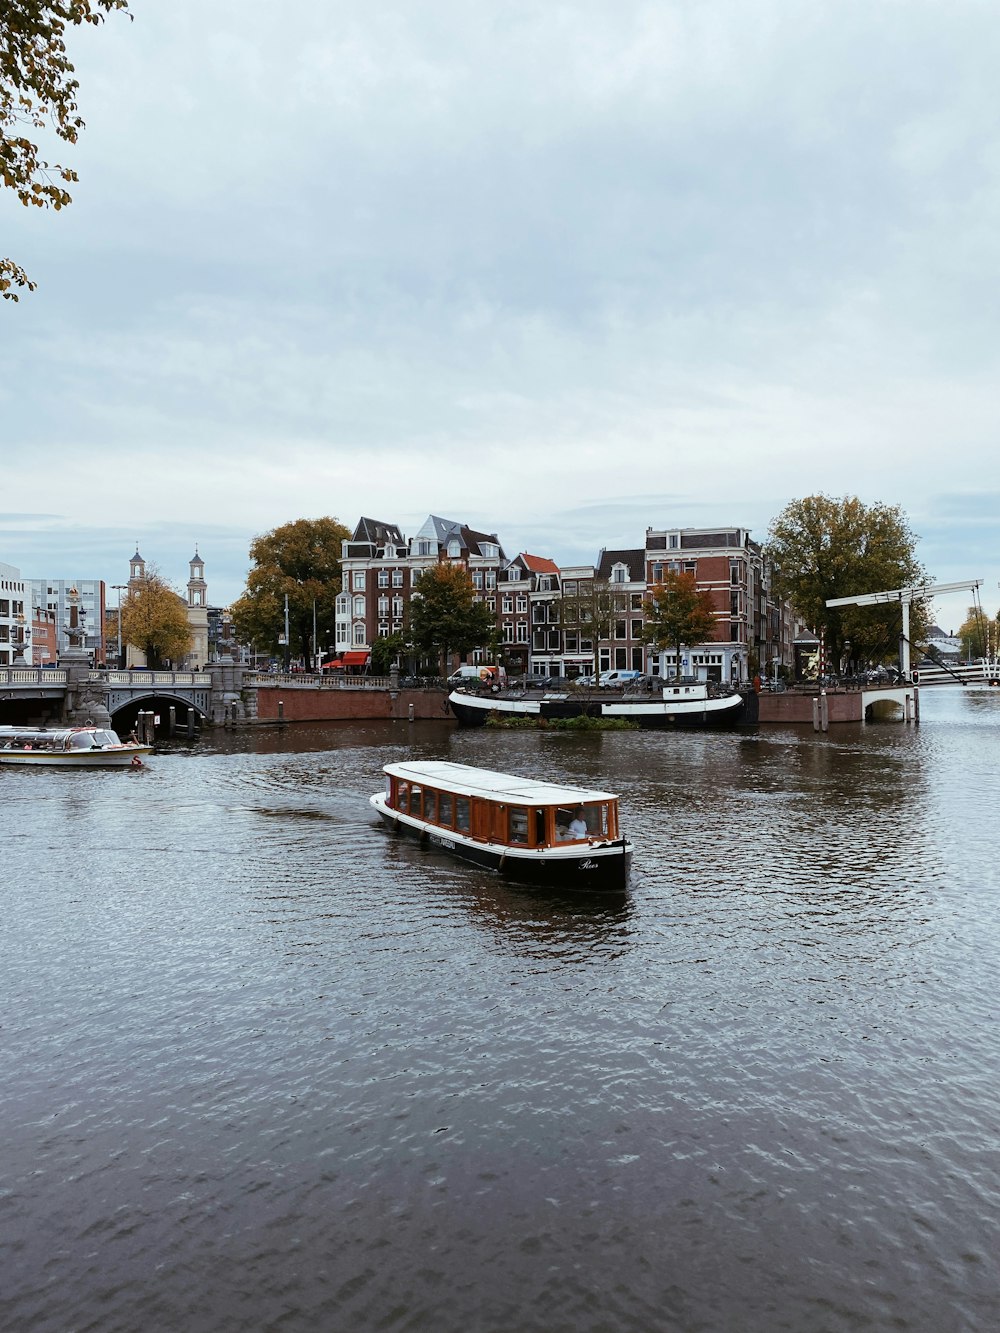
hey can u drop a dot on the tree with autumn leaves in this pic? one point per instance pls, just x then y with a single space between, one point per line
154 620
678 612
38 92
300 560
821 548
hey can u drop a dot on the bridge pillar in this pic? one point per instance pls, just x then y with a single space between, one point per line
227 696
85 698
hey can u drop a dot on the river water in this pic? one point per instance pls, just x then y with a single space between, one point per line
267 1067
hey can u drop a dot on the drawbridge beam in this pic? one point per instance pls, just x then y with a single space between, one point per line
906 597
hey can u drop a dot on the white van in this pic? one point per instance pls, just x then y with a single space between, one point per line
611 680
476 675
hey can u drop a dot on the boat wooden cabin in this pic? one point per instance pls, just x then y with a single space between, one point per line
69 747
538 832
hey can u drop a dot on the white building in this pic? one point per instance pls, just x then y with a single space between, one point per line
15 620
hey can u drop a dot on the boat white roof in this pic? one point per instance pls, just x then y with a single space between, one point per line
487 783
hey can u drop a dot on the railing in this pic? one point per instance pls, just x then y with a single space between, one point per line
143 677
286 680
32 676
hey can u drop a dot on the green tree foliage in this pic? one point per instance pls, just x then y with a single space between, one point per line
678 612
38 92
300 559
387 650
821 548
154 620
976 634
445 617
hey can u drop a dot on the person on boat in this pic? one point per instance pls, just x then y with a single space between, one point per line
578 825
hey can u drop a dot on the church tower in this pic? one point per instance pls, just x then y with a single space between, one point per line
197 612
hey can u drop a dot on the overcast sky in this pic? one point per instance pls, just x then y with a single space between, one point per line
560 271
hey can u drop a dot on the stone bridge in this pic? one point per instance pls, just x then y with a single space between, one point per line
74 692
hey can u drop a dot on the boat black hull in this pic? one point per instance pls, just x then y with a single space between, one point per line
598 870
717 714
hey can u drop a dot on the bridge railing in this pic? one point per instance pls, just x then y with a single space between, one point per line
32 676
290 679
143 677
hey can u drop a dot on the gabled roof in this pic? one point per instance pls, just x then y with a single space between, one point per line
635 561
378 533
538 564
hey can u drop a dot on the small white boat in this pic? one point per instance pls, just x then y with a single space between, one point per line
69 747
537 832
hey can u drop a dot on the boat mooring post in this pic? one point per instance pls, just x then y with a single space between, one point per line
171 720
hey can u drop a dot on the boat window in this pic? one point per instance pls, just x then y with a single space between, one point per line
517 825
462 814
403 796
444 812
594 817
106 738
430 806
415 794
81 740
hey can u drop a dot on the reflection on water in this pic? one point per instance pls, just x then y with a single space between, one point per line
268 1065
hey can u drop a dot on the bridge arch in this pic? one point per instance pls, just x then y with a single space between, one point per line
125 712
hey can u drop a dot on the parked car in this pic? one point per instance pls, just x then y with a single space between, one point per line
588 681
534 682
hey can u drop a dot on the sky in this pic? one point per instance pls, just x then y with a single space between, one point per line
559 271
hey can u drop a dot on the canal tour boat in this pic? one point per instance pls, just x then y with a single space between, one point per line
673 704
538 832
69 747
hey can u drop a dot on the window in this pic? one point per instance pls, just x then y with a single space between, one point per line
522 631
507 604
544 583
383 606
690 567
383 629
415 795
415 576
636 632
657 571
359 606
514 574
517 825
462 814
454 548
397 578
444 809
477 578
491 602
383 578
425 547
491 578
569 587
430 806
508 631
675 541
489 550
618 574
522 603
358 580
359 635
397 607
571 641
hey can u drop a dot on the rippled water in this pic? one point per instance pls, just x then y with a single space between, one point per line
267 1067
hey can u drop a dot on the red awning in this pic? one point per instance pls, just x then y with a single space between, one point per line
333 662
354 659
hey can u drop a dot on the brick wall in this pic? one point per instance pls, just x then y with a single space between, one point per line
305 704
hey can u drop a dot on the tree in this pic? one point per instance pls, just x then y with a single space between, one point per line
445 617
388 649
590 612
300 559
820 548
974 634
154 620
678 612
37 89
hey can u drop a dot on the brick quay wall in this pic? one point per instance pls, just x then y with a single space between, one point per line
302 703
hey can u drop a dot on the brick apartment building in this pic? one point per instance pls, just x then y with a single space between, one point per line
559 621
